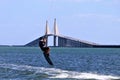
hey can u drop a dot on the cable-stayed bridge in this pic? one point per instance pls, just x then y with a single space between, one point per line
65 41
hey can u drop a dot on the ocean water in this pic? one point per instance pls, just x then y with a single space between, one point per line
28 63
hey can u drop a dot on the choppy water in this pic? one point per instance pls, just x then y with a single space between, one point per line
28 63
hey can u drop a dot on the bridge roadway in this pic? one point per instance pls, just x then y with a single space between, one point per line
64 41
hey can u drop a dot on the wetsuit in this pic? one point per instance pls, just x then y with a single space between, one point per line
42 46
45 50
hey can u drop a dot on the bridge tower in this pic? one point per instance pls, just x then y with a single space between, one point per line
56 32
47 31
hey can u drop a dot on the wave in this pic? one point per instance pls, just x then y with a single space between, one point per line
58 73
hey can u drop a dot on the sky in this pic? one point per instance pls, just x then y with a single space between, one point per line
22 21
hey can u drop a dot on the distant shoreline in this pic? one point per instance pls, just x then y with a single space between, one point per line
106 46
12 46
94 46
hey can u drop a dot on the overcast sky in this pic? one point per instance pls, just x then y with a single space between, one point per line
22 21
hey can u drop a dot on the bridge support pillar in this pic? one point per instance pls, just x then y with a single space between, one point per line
46 41
54 40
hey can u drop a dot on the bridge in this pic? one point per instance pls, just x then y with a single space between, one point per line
65 41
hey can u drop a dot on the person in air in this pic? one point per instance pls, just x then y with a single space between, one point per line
46 50
42 42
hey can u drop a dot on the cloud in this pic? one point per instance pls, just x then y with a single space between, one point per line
109 17
111 2
87 0
118 20
78 0
94 15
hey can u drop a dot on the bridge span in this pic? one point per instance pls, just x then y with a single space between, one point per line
65 41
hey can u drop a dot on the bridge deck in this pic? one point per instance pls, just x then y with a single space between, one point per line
70 38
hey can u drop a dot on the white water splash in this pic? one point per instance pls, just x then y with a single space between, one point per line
58 73
85 76
78 75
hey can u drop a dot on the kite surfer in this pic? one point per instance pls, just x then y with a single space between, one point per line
46 50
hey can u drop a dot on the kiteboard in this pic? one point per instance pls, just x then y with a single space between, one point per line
48 59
